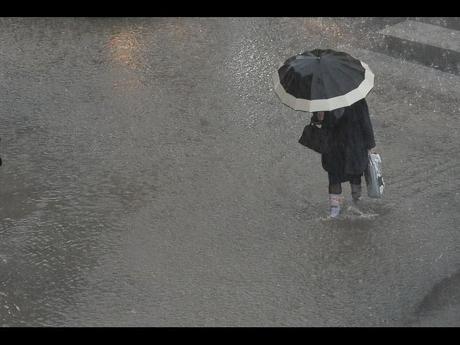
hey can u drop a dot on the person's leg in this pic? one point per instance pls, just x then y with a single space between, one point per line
355 184
335 196
335 188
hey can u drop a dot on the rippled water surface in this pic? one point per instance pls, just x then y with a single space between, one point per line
151 177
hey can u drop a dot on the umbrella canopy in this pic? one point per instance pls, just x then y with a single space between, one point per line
322 80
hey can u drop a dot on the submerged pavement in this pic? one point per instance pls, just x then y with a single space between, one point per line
152 177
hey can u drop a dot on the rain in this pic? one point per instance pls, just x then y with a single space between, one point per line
152 177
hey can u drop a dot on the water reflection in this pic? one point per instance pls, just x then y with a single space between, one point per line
327 28
124 48
125 51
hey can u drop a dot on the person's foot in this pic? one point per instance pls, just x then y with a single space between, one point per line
335 202
356 201
334 211
354 210
356 193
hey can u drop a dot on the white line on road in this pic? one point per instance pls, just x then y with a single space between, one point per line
424 33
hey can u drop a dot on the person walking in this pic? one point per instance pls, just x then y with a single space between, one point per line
350 137
332 85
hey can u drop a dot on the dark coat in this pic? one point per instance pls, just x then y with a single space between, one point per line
349 139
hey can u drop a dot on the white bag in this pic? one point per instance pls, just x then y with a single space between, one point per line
373 176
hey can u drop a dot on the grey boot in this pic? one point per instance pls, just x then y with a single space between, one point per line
356 192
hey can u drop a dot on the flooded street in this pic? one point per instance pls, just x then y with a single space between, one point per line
151 177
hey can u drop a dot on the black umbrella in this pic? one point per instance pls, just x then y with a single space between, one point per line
322 80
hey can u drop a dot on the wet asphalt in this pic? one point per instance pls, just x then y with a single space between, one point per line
152 177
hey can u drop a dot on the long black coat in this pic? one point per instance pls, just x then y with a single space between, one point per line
349 139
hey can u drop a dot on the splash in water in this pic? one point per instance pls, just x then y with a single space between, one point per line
351 213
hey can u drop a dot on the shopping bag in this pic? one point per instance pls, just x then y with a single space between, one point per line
373 176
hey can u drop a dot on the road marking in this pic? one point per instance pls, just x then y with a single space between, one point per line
424 33
414 74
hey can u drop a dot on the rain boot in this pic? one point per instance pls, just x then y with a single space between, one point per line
356 192
335 202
